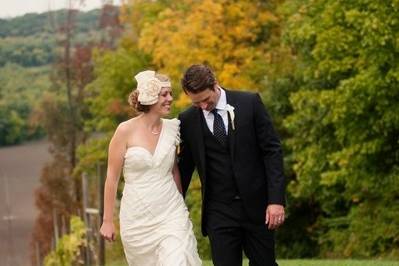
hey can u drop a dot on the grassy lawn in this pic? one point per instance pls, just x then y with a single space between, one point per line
306 263
336 263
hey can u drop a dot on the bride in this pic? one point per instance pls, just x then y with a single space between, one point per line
154 222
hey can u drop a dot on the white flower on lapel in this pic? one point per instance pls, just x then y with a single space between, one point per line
230 110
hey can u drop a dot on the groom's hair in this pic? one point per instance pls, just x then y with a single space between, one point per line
198 78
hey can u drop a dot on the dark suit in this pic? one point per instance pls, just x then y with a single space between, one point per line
255 170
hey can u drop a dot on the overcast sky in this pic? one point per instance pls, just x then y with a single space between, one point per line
13 8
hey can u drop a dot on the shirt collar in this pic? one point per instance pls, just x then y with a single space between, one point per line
221 104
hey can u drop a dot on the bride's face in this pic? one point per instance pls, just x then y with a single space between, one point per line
164 103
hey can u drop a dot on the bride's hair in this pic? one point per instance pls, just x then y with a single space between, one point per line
133 97
135 104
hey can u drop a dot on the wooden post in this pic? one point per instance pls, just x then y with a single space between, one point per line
100 175
37 251
9 218
63 226
55 226
86 217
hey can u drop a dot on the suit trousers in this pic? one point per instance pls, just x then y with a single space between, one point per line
231 232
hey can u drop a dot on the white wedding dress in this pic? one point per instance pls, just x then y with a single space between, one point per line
154 220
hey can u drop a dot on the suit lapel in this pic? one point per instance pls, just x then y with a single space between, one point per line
231 135
199 139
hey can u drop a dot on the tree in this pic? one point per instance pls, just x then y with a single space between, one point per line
62 113
19 90
345 124
54 200
178 34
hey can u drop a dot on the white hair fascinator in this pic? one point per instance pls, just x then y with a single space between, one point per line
149 87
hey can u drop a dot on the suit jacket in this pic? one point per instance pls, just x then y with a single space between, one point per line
255 151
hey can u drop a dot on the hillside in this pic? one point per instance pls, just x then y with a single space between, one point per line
34 23
30 45
30 40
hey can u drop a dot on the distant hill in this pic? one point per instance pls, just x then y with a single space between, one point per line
28 49
29 40
34 23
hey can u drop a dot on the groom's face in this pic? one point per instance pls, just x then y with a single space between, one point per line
207 99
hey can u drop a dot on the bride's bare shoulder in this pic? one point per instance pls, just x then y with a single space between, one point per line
126 127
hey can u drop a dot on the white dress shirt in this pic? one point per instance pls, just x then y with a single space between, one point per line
221 109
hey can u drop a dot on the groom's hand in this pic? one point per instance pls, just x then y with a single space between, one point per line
274 216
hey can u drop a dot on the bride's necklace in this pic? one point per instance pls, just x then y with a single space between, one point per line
155 132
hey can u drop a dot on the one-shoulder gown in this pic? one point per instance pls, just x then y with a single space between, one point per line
154 220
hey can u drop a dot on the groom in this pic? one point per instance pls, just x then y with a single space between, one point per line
229 137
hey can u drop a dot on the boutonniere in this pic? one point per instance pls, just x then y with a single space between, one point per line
230 110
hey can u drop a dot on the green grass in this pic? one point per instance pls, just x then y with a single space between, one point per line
306 263
336 263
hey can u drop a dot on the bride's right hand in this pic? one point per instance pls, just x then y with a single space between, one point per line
107 230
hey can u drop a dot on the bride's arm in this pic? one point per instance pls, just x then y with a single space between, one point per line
176 176
116 151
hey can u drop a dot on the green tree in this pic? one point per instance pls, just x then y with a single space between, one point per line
345 123
19 90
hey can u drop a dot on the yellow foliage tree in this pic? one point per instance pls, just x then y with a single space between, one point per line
231 36
68 248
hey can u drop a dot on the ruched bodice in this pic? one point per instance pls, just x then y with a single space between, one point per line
141 165
155 225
